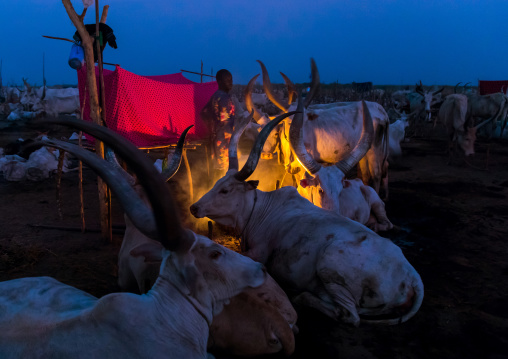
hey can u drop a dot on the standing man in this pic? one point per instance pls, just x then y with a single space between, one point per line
218 115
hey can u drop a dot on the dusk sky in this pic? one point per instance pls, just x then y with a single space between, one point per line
383 41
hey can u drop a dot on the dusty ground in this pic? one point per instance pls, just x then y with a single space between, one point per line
452 224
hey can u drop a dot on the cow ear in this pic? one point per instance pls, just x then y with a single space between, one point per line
304 183
151 251
252 184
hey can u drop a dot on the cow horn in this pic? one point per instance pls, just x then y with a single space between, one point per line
267 86
465 86
252 161
297 144
27 85
455 88
363 144
119 181
176 159
438 91
314 86
480 125
170 231
235 137
248 98
290 87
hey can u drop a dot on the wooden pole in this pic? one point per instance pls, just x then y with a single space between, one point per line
106 231
87 43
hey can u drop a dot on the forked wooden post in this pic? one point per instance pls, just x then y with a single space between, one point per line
87 43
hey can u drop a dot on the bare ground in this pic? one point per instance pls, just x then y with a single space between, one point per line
451 223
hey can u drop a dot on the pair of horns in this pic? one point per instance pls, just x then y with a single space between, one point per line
159 220
345 165
314 87
252 162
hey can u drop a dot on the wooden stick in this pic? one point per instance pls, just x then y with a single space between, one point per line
59 38
104 16
87 43
197 73
58 184
189 175
210 230
81 197
106 216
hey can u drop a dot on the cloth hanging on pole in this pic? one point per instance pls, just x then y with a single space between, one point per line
488 87
151 110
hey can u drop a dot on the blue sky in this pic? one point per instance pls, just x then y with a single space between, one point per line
384 41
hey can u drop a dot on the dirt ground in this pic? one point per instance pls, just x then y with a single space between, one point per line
451 223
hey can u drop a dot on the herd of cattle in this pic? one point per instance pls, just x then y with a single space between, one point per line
317 241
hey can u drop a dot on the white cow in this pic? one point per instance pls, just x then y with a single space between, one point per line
43 318
327 186
397 134
461 129
421 101
329 262
330 133
255 322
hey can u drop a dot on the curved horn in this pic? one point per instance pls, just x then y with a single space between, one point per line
176 159
291 88
465 86
438 91
139 213
267 86
363 144
27 85
233 142
314 86
252 161
480 125
248 98
419 88
109 156
455 88
170 231
296 141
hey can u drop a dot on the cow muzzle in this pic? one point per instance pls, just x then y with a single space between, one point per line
194 209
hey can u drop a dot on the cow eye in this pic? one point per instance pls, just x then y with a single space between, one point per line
215 255
223 191
321 191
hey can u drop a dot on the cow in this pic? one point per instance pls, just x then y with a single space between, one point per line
322 259
327 187
422 101
330 133
51 101
270 316
44 318
397 134
461 129
493 106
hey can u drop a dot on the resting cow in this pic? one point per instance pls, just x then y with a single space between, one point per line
327 186
43 318
330 262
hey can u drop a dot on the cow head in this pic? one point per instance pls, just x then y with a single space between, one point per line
322 185
428 99
232 193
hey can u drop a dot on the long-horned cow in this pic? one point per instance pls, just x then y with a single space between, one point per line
461 129
330 133
43 318
492 107
329 262
327 187
257 321
422 101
